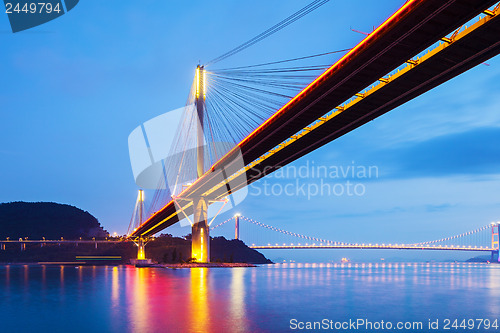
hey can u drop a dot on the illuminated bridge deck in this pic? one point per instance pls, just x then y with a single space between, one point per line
373 247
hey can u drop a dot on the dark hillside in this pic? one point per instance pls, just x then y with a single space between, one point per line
36 220
47 219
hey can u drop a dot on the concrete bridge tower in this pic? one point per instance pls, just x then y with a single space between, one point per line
200 231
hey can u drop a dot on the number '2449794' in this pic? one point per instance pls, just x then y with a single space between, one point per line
32 8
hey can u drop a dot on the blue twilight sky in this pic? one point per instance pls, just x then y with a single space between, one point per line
73 89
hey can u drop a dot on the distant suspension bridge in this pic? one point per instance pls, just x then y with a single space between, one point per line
485 238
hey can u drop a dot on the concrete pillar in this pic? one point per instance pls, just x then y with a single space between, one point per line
141 254
200 240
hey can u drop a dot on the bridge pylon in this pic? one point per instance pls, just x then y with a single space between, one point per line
200 230
140 242
495 241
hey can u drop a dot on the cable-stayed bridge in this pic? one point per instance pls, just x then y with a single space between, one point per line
246 122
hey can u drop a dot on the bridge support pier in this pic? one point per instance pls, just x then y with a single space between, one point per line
200 232
141 260
494 256
141 254
3 246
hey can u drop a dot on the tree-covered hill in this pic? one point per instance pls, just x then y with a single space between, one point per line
47 219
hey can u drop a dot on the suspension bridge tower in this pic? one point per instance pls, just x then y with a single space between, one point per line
495 241
200 237
237 226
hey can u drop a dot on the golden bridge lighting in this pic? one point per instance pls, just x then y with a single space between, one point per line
200 79
140 254
197 80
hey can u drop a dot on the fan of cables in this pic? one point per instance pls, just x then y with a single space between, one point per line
237 100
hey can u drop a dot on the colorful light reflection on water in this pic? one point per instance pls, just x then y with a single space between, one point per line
129 299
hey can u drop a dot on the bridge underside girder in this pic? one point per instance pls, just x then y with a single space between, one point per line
471 50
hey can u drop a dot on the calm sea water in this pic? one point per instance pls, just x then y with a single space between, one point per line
262 299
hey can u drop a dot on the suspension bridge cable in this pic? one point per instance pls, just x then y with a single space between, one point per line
237 102
283 61
460 237
132 219
277 27
221 224
291 233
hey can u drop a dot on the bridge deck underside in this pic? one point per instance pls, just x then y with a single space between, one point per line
471 50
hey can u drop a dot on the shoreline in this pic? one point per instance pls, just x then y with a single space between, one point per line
153 265
205 265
